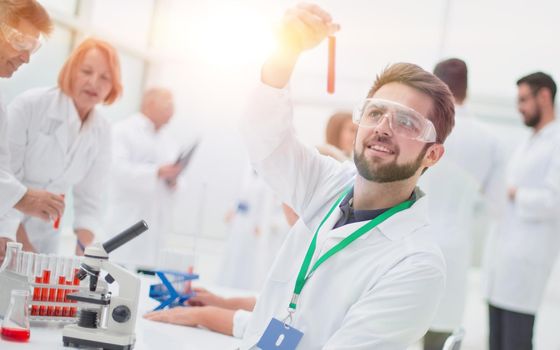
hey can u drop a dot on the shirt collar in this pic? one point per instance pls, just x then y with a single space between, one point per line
397 226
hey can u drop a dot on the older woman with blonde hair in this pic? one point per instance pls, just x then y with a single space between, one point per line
59 142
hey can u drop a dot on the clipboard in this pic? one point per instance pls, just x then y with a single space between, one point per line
185 156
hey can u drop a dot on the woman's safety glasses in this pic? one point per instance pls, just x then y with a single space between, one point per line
403 120
19 41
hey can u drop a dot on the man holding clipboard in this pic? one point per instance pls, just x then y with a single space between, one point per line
146 165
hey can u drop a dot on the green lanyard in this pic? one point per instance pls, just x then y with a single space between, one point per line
303 276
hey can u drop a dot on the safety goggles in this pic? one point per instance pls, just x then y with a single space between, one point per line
403 120
19 41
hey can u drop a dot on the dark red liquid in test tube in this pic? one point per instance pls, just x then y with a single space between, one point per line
36 295
45 292
16 334
56 223
60 294
66 310
76 282
331 64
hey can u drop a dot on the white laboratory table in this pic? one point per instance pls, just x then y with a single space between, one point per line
149 335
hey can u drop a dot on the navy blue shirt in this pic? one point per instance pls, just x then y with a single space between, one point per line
350 216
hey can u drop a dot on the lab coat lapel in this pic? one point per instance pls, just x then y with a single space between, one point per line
57 113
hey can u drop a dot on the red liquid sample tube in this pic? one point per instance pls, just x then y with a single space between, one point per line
60 294
16 334
331 64
45 292
66 310
36 296
56 223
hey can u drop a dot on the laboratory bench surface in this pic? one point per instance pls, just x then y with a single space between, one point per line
149 335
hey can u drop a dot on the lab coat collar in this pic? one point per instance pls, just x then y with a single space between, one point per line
407 221
146 123
62 109
551 129
58 111
396 227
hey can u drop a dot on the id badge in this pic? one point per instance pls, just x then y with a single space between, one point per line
279 336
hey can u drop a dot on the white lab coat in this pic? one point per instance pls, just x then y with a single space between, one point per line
249 253
50 149
11 190
136 191
381 291
473 165
521 253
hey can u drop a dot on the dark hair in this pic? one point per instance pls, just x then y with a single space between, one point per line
442 114
539 80
453 72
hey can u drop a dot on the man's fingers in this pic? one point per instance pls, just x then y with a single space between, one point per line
316 10
43 215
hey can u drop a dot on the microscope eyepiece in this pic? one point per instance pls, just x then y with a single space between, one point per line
125 236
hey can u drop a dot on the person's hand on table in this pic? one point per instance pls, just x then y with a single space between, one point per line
211 317
203 297
184 316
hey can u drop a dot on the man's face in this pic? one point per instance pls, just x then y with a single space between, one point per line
10 58
383 156
528 105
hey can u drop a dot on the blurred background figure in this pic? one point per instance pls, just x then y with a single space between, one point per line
257 228
22 24
521 254
59 141
340 134
473 165
144 177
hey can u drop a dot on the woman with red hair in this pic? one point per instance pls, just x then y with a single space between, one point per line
59 142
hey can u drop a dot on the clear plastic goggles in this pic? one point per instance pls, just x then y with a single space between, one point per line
403 120
19 41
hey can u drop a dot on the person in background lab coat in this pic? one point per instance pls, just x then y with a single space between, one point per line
144 177
473 164
257 229
520 256
380 291
59 142
339 134
261 222
22 22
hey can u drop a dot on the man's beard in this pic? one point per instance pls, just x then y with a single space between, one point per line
534 119
390 172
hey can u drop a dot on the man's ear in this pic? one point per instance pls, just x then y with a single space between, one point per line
544 95
433 154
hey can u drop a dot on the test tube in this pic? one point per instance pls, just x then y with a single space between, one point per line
19 262
28 263
53 261
46 279
331 64
56 223
38 274
61 280
68 281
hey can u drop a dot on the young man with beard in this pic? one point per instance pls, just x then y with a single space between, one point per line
521 254
360 269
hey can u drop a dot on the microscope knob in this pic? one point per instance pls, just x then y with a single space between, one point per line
121 314
109 279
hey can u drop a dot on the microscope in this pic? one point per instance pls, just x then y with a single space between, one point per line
109 322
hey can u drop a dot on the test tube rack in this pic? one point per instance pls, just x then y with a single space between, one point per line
49 278
174 289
